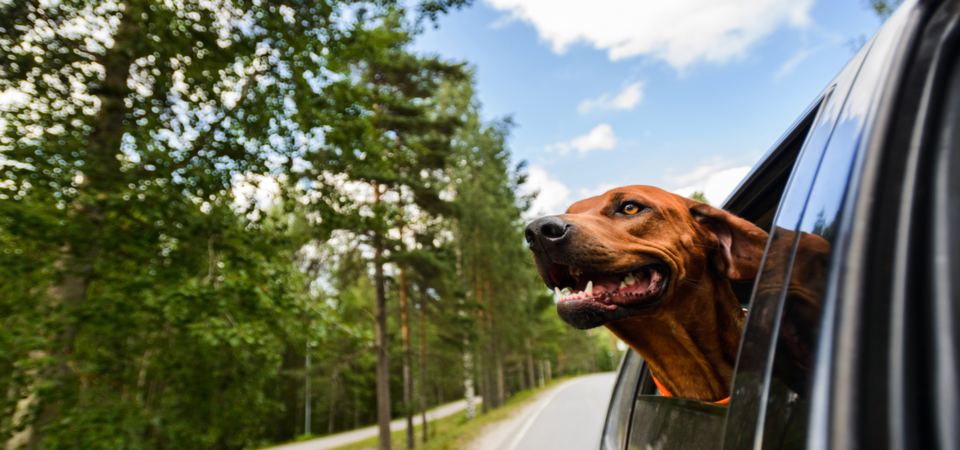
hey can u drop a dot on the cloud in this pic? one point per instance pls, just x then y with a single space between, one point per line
599 138
553 197
715 181
627 99
791 64
680 32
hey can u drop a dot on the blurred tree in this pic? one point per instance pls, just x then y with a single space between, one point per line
391 140
154 311
699 196
191 197
884 8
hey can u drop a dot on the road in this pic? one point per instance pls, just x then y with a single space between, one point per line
349 437
569 416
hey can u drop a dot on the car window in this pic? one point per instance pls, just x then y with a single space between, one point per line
789 389
618 417
669 422
748 403
757 197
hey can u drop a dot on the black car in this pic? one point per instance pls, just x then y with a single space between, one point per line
855 346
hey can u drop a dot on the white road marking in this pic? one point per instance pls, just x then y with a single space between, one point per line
533 417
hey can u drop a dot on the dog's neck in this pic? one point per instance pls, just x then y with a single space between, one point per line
691 348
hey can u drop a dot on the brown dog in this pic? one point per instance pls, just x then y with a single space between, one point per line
655 268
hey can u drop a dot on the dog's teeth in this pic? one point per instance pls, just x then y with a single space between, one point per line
589 289
623 285
557 291
629 279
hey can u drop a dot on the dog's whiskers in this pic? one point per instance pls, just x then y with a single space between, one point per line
692 283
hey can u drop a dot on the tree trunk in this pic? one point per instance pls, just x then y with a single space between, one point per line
501 392
306 397
530 371
485 383
541 379
484 351
356 414
423 364
593 351
380 338
468 391
520 377
76 262
405 338
560 364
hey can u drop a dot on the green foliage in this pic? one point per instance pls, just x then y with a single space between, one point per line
699 196
155 297
433 8
884 8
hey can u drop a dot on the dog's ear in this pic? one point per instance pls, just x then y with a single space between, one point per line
741 242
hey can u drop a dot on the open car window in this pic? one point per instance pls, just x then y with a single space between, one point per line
618 416
683 423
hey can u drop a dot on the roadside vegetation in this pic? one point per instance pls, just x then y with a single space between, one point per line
229 223
456 432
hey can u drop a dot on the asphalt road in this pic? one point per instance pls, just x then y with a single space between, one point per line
569 416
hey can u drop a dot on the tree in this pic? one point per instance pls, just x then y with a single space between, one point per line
884 8
388 148
121 155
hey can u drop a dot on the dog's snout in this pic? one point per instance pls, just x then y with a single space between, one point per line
547 231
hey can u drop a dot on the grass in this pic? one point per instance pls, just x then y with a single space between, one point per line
454 432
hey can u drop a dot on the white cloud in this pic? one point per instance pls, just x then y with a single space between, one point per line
715 181
553 197
627 99
599 138
680 32
791 64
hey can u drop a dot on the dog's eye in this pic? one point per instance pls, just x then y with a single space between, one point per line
630 209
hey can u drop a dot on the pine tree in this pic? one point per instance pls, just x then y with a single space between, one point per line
395 143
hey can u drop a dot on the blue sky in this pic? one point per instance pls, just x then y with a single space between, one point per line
684 94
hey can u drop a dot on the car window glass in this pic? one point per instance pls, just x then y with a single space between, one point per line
670 422
618 417
748 398
789 391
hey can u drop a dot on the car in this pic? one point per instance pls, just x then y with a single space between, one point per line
854 346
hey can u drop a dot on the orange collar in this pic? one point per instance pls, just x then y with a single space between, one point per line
664 392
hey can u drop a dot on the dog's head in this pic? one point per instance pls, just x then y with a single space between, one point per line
635 250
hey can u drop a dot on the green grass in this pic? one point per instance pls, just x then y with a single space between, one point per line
453 432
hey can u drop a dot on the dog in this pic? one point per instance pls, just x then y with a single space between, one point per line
654 268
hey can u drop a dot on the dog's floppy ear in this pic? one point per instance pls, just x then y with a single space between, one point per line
741 242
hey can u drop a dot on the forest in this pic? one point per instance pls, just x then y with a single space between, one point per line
228 224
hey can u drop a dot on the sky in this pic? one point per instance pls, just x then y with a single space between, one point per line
684 95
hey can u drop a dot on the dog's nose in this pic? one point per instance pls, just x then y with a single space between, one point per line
548 231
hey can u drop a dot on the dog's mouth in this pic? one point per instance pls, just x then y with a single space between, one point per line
644 284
